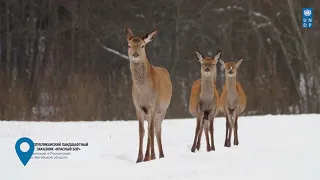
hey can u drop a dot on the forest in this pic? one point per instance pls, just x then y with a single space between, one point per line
66 60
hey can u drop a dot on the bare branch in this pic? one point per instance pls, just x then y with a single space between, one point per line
220 10
107 48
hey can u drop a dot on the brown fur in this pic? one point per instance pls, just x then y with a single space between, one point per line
195 94
151 93
203 102
232 100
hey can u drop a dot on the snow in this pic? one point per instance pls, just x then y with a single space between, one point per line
271 147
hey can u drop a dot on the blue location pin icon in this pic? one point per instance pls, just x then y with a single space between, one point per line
24 156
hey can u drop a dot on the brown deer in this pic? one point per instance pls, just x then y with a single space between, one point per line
203 102
151 92
232 100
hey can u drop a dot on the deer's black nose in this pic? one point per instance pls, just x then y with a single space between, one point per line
230 72
135 54
207 69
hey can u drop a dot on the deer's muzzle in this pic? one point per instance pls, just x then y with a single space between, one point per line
135 55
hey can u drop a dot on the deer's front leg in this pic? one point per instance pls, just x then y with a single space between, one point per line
197 131
193 149
211 128
200 110
206 133
200 135
227 132
141 136
230 130
147 153
151 129
229 127
236 140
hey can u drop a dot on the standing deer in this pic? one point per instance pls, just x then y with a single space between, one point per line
232 100
203 103
151 92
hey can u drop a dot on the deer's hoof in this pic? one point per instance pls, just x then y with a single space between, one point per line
208 148
139 160
193 149
146 158
153 157
227 144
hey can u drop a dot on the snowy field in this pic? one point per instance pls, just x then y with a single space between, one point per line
271 148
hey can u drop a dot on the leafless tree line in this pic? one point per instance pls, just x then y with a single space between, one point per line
67 59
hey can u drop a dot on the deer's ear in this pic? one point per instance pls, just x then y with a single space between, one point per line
222 63
239 62
148 37
129 33
199 56
217 57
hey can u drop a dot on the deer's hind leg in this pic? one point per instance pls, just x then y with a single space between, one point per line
158 129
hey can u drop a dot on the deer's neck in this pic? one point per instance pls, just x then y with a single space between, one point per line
140 72
207 85
231 85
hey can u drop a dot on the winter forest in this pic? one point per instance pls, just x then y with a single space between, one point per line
63 60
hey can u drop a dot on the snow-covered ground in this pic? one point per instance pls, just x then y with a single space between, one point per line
271 148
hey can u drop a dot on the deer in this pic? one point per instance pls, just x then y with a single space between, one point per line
203 101
232 100
151 92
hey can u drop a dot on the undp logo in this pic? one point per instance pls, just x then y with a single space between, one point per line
306 17
307 12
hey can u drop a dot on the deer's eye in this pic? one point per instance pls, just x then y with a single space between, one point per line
129 46
142 46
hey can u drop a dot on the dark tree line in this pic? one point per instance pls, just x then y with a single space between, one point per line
67 59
